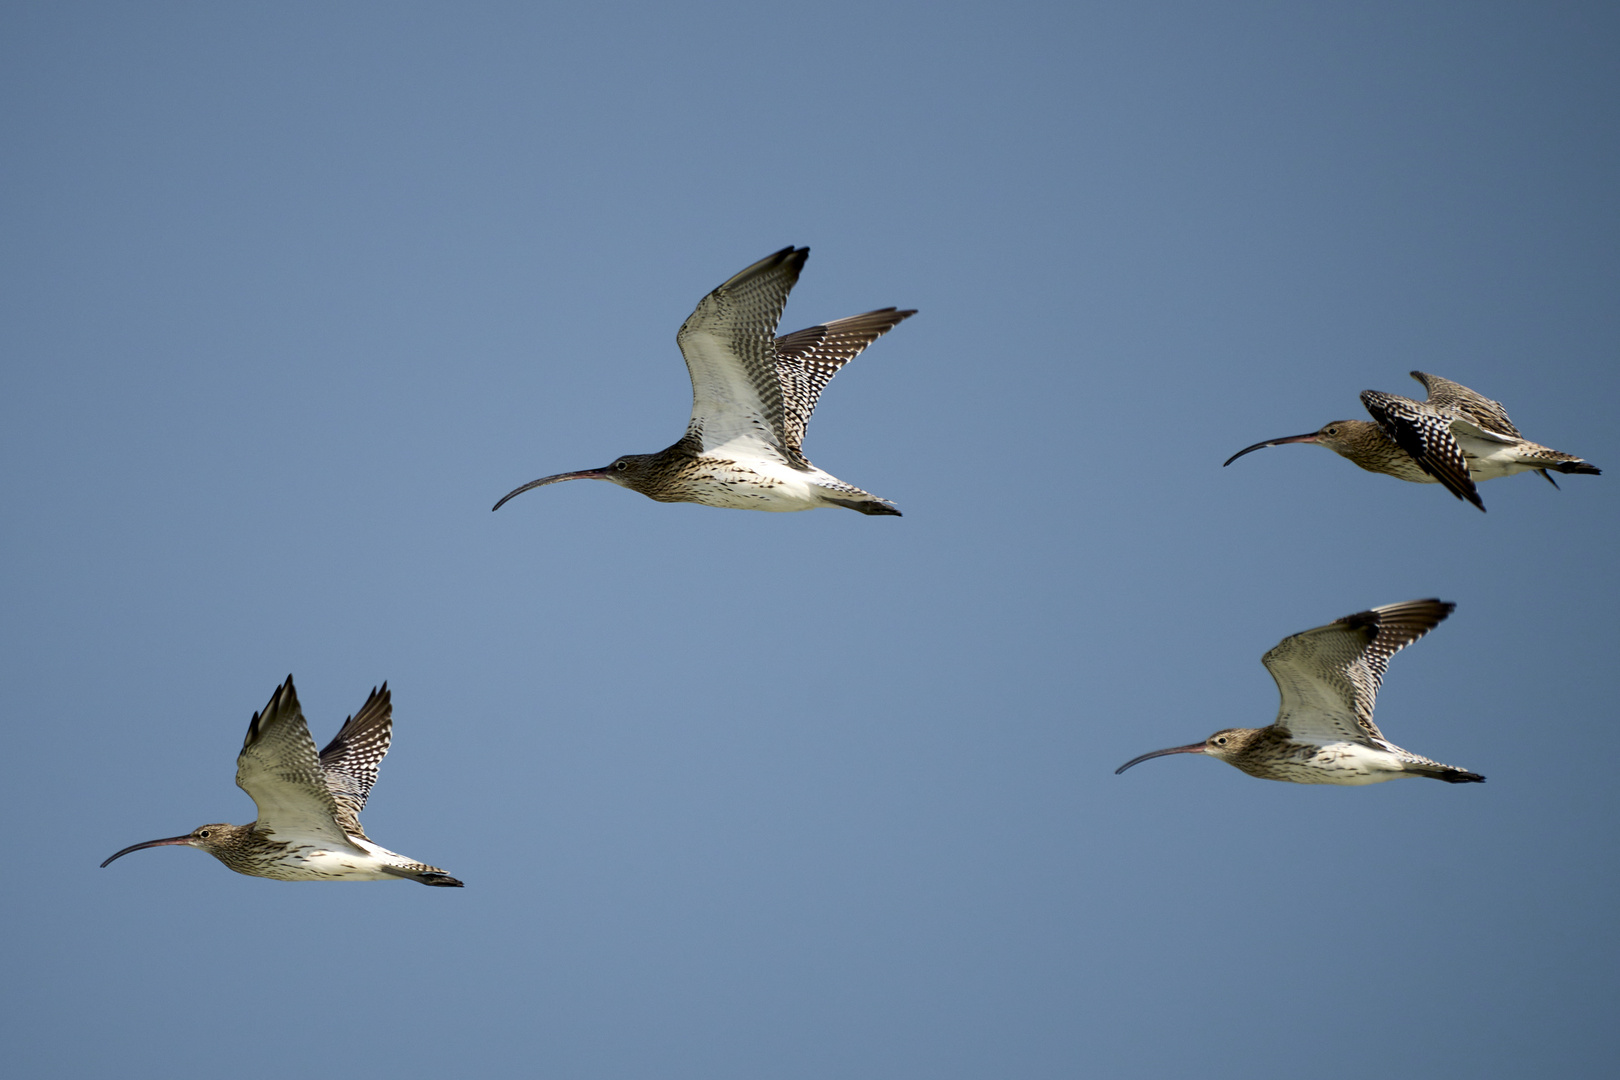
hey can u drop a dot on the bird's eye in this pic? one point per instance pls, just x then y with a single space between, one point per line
1221 741
202 834
1333 431
621 465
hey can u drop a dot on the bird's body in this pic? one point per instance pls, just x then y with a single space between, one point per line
1457 438
752 396
1329 679
308 828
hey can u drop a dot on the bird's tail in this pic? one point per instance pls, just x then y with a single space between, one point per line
1449 773
835 492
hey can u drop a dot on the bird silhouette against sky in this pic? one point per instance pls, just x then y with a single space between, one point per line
1455 438
752 396
308 828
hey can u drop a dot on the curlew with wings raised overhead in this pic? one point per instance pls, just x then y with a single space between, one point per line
1455 438
308 828
1329 679
752 396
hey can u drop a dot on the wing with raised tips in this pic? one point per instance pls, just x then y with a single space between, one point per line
279 769
1425 434
1459 401
806 360
1329 677
730 348
351 759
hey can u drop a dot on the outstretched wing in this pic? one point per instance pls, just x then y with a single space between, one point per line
279 768
806 360
1425 434
1462 403
1329 677
730 348
351 759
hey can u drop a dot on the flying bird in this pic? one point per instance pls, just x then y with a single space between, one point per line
1455 438
1329 679
308 827
752 396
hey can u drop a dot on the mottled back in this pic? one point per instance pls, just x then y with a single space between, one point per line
729 344
1460 402
806 360
351 759
1329 677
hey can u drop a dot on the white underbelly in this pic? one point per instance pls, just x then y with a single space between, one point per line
305 861
1345 763
754 485
1488 460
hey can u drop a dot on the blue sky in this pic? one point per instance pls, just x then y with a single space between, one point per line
292 295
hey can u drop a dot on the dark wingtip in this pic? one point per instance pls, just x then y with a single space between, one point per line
1468 494
790 254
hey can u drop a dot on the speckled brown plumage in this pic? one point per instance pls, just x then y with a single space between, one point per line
308 828
752 398
1328 679
1456 438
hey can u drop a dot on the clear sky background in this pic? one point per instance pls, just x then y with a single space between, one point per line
293 294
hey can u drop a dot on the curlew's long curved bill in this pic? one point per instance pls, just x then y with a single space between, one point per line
1307 437
1195 748
149 843
584 474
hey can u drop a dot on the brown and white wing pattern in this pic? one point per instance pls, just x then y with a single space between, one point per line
729 343
1425 434
1329 677
351 759
806 360
1461 403
279 768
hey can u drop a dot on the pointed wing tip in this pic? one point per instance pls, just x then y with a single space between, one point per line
1436 608
1432 607
789 254
283 699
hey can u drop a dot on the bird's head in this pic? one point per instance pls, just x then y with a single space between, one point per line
1340 436
1228 742
630 470
626 471
1225 745
210 838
